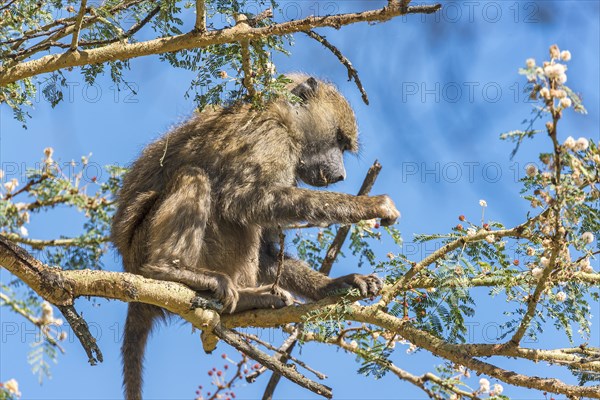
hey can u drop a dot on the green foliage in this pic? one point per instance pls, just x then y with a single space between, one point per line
50 186
30 27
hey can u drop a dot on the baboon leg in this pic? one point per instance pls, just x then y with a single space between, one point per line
176 234
263 297
139 323
298 278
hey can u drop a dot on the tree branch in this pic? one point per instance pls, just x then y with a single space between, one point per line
342 233
78 22
200 25
124 51
81 330
288 371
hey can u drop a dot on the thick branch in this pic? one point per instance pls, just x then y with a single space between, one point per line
125 51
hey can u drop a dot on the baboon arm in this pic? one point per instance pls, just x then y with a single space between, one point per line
291 205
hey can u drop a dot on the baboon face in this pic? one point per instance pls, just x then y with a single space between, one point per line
329 128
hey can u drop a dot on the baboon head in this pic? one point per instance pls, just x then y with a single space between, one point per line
328 128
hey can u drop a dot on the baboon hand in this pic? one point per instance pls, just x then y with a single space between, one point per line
368 285
386 210
226 292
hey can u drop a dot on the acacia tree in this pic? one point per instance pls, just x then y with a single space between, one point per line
424 302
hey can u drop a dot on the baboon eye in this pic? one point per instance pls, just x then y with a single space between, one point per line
342 140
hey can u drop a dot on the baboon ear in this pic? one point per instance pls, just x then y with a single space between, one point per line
306 88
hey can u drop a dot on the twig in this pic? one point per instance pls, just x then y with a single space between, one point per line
229 384
342 233
81 330
268 13
284 350
132 31
78 23
35 321
288 343
280 260
28 186
273 364
200 25
7 5
352 72
64 242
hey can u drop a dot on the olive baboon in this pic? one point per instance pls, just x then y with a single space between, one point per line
201 206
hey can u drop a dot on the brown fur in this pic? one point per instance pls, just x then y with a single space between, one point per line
202 204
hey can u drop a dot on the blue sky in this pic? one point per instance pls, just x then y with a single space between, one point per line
442 89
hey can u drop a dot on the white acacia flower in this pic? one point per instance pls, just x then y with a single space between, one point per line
562 79
270 67
545 93
586 266
537 272
483 203
484 385
531 170
565 55
497 389
371 223
23 231
554 51
587 237
544 261
530 63
12 386
582 144
11 185
530 251
353 344
566 102
560 94
554 71
471 232
490 238
561 296
569 143
375 334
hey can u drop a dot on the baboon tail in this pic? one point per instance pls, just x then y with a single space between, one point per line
140 319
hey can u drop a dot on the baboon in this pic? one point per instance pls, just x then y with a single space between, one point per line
202 206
